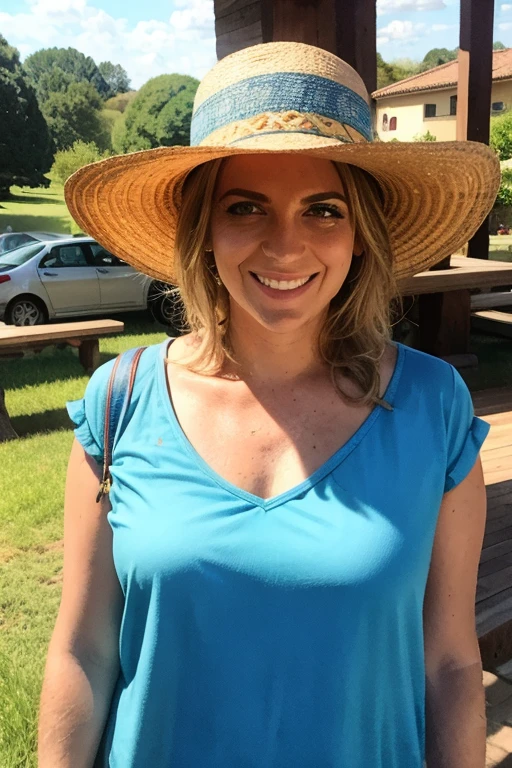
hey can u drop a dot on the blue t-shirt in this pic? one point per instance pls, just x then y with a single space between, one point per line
279 633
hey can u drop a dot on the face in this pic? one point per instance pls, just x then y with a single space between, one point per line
282 238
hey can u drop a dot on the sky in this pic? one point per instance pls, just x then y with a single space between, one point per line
153 37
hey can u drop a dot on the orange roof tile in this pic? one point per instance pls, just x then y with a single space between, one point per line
444 76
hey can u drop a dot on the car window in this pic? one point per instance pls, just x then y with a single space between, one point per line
9 242
65 256
102 257
22 254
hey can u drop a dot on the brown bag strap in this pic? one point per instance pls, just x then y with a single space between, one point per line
119 392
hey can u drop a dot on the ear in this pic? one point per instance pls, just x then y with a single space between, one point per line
358 249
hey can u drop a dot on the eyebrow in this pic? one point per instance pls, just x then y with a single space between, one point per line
250 195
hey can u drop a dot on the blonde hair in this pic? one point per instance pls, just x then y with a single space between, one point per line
357 328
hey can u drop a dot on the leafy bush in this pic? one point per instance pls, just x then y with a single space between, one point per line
501 135
424 137
121 101
75 115
159 116
67 161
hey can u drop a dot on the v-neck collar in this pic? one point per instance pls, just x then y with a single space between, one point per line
305 485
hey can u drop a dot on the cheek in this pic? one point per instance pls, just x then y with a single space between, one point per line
231 243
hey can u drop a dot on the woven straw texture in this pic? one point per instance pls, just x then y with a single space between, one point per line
268 58
436 195
128 203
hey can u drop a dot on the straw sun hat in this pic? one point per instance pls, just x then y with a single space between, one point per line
288 97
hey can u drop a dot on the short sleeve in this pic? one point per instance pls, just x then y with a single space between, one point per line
466 433
88 413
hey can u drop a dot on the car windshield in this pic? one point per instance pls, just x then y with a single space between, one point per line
19 256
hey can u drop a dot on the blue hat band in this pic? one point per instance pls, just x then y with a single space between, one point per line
284 93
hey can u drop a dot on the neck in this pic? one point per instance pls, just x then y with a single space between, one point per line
269 356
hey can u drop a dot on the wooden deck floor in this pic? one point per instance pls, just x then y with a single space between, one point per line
494 591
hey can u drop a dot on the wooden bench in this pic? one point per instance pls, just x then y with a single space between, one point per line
492 321
85 335
445 320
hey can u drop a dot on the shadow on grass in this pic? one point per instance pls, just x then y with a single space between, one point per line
28 199
46 421
44 368
54 364
28 223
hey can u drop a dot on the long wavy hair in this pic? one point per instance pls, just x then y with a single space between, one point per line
357 326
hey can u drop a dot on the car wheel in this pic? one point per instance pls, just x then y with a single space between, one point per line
26 310
166 307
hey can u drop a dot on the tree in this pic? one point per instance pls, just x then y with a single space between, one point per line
74 115
498 46
438 56
121 101
501 135
393 71
68 161
385 74
115 76
79 67
159 115
25 144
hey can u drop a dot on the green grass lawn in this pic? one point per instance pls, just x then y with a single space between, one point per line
500 247
32 470
37 210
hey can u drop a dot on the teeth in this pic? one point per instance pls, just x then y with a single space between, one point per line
282 285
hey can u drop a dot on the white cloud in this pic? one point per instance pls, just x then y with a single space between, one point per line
506 7
185 43
196 18
505 26
441 27
396 6
400 31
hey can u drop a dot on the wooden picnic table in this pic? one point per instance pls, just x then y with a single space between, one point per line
445 324
84 335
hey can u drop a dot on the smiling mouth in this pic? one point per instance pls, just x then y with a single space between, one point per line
283 285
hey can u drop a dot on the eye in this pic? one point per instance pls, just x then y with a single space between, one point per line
243 208
325 211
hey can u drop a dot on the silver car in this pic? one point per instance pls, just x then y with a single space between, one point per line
75 276
11 240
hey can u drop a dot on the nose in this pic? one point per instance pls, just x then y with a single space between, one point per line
283 241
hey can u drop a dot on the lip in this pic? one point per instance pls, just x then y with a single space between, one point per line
282 276
275 293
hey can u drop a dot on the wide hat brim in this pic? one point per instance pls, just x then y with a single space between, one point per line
436 195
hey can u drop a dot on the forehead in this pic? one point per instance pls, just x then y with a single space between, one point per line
264 172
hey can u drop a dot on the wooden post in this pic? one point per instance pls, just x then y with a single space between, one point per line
6 429
347 28
444 320
474 89
89 354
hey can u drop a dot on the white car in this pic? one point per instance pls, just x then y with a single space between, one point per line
75 276
11 240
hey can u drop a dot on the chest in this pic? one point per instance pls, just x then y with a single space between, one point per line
265 445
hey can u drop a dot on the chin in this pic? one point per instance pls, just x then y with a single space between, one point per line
285 322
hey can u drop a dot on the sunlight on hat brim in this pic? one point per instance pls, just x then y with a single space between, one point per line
436 194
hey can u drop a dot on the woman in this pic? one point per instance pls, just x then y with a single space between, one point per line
287 573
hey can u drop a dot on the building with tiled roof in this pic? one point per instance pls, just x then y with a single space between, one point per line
428 101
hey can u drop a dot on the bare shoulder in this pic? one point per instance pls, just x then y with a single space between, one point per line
183 349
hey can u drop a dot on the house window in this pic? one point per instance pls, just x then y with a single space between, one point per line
430 110
453 105
497 106
384 122
392 124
